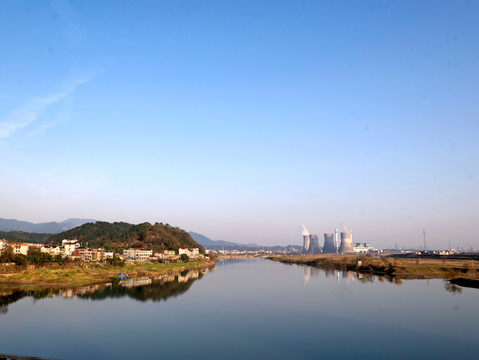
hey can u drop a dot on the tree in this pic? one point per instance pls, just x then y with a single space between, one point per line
115 261
34 256
184 258
58 259
7 255
20 259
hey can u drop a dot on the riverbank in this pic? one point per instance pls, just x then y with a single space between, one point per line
82 274
402 268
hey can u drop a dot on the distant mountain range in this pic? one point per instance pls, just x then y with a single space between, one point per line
219 244
17 230
47 227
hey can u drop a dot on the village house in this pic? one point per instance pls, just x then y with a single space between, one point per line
167 255
138 254
69 246
106 254
35 245
52 250
3 245
82 253
191 253
19 247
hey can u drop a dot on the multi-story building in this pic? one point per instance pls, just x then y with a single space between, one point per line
69 246
19 247
82 253
138 254
52 250
107 254
191 253
362 248
3 245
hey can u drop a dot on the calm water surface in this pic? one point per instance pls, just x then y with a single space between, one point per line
253 309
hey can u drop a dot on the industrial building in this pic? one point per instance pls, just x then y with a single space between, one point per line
310 242
306 239
314 244
346 246
332 244
362 248
329 244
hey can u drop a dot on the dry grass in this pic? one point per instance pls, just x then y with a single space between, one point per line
398 267
83 274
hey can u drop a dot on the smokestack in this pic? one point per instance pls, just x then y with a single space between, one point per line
336 240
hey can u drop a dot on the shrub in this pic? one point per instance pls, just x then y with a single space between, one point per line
115 261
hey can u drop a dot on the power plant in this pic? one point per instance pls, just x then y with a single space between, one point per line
331 242
310 242
346 246
306 239
314 244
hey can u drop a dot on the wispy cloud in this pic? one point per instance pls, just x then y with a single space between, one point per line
24 116
68 16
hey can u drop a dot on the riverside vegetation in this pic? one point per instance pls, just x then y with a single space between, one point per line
79 274
459 271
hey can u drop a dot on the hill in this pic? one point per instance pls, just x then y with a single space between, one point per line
226 245
22 236
47 227
121 235
203 240
217 244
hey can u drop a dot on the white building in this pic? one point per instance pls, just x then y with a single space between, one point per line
138 254
191 253
3 245
69 246
19 248
52 250
362 248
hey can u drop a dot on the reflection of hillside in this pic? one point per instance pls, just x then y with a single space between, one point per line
160 288
142 289
9 295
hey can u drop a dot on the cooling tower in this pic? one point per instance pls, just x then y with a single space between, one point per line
346 246
306 242
314 244
306 239
329 244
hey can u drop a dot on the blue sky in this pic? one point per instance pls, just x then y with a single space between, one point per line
242 120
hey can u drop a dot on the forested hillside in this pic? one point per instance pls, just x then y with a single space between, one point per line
22 236
121 235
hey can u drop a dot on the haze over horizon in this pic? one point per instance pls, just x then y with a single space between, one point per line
242 120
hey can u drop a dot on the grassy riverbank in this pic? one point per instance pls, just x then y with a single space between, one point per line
402 268
86 274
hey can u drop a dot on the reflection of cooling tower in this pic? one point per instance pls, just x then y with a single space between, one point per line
306 242
314 245
329 244
346 246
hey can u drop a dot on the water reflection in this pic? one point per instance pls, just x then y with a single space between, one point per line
452 288
142 289
346 276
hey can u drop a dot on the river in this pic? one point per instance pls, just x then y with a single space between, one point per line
245 309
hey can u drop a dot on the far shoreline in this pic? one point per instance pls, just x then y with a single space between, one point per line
460 272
